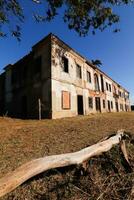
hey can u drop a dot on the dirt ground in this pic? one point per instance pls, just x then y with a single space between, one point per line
24 140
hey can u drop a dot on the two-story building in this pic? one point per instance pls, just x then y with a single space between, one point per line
66 83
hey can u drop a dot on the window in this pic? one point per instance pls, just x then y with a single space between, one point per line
96 81
37 65
111 105
24 72
114 90
90 102
88 77
104 104
65 64
102 83
121 107
78 71
14 76
120 93
66 104
123 95
107 86
110 88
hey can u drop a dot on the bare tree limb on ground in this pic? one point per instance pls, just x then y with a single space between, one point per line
37 166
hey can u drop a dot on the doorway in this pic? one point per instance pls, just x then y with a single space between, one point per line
80 105
117 107
109 107
98 104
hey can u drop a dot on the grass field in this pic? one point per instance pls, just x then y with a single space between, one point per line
23 140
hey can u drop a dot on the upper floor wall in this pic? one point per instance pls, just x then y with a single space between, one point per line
68 66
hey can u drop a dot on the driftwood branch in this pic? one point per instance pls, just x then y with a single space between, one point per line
37 166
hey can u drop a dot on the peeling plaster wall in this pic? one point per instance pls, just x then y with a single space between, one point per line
53 81
62 81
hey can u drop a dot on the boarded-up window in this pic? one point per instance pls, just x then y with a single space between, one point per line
66 100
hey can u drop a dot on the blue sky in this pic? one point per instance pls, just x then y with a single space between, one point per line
116 51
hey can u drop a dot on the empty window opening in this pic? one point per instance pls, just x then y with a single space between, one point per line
96 80
110 88
15 75
102 83
120 93
117 107
98 104
88 77
111 105
121 107
107 86
24 72
104 104
90 102
80 104
78 71
37 65
65 64
114 89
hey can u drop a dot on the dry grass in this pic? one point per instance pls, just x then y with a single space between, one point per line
23 140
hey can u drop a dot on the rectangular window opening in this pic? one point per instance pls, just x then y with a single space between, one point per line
107 86
90 102
111 105
110 88
78 71
37 65
88 77
65 64
104 104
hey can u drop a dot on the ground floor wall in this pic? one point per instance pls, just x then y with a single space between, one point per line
69 100
24 102
59 100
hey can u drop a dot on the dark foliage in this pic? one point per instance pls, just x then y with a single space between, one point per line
81 15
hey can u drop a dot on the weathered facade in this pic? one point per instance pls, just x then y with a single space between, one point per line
66 83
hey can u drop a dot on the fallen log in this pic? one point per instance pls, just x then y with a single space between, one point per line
37 166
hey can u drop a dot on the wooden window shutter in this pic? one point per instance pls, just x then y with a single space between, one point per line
66 100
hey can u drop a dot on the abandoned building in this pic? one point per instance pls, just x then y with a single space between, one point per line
66 83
